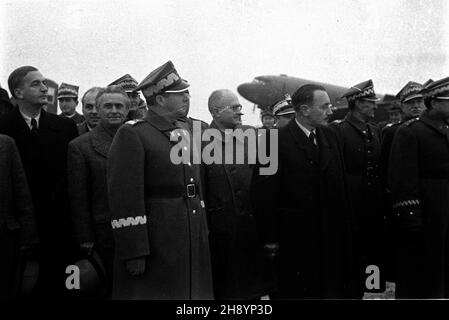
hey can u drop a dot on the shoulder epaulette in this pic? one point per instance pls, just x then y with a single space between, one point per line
133 122
389 125
409 122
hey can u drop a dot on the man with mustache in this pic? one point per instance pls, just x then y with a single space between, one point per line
87 156
90 112
42 139
157 209
360 141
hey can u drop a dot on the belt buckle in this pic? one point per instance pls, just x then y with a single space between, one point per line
191 190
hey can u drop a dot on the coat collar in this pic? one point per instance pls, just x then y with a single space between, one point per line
160 123
358 124
438 125
101 140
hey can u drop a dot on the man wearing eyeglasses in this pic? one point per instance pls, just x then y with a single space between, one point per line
361 145
158 214
238 265
306 216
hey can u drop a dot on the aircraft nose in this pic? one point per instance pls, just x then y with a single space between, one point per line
249 91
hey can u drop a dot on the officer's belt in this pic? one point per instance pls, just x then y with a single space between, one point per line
187 191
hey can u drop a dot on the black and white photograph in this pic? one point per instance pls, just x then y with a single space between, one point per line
237 153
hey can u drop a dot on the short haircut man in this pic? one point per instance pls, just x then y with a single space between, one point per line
90 112
42 140
239 266
87 157
307 212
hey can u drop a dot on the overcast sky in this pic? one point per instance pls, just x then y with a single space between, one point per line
221 44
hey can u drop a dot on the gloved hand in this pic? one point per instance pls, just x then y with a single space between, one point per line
29 250
271 249
135 266
87 247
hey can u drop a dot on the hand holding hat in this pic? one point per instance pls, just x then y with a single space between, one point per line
136 266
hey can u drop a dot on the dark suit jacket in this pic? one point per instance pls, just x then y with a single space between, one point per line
308 214
87 157
44 158
17 223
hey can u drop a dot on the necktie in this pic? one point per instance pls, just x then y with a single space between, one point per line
312 138
33 126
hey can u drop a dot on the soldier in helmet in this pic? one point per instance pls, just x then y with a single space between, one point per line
157 209
360 141
418 178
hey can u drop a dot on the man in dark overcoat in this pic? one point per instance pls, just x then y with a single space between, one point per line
158 215
419 181
17 223
42 139
411 106
239 268
87 156
5 103
361 142
308 213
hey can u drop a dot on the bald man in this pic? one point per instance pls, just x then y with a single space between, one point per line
238 265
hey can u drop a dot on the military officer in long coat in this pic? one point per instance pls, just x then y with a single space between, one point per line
360 141
419 181
158 212
411 106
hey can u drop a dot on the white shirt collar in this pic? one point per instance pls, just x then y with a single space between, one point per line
28 119
304 129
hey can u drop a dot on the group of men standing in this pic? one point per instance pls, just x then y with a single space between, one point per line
346 197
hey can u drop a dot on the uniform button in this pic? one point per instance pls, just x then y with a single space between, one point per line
193 211
189 164
411 213
185 148
191 180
